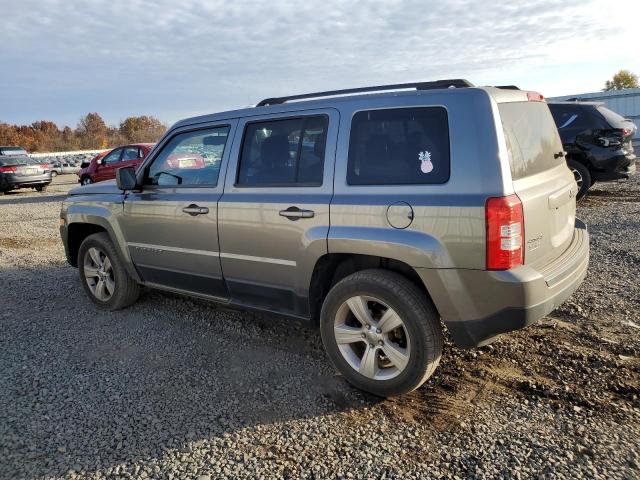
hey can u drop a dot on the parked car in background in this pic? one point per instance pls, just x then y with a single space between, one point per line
20 171
104 165
375 215
65 167
598 142
9 151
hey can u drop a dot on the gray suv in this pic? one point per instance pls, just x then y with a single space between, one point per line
374 212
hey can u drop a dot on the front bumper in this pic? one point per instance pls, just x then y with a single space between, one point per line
478 305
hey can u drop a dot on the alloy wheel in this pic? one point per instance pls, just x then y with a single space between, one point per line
578 176
98 273
372 337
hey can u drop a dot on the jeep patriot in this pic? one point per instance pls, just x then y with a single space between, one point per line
374 212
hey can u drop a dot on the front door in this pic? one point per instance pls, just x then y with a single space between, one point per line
106 168
170 226
273 217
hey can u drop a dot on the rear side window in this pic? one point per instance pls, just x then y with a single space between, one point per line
531 136
571 118
287 152
130 153
401 146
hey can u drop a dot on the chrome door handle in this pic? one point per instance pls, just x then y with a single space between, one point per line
295 213
194 210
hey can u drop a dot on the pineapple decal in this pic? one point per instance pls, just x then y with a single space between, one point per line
425 161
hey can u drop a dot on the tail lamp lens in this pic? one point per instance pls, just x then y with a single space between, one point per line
8 169
505 232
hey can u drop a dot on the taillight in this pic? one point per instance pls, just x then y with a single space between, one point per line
44 166
535 97
626 131
8 169
505 232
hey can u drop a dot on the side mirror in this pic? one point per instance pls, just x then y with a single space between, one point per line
126 178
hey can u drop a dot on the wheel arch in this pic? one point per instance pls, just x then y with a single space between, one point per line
333 267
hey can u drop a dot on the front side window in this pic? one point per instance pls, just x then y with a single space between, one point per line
190 159
113 157
400 146
283 152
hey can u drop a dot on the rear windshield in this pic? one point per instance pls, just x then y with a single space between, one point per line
15 160
612 118
12 151
532 138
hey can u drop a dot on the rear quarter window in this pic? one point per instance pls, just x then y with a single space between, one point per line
531 136
400 146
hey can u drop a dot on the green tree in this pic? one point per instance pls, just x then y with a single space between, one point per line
621 80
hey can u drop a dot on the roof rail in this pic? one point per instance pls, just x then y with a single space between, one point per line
453 83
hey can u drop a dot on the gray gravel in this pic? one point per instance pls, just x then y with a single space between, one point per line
176 388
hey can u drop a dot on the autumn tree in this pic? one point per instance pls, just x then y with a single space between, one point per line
621 80
142 129
92 132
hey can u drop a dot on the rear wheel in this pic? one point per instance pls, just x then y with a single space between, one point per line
41 188
381 332
104 276
582 176
85 181
54 173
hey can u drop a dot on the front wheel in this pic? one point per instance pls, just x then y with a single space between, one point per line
85 181
381 332
41 188
582 176
104 276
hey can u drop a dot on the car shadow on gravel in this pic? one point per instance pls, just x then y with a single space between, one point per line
84 389
15 199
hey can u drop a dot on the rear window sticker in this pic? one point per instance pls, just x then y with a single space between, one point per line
425 161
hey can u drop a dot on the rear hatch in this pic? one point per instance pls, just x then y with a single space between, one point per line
621 131
541 179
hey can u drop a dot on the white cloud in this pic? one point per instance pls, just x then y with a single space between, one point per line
172 59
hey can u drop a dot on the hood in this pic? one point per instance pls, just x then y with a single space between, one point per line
108 186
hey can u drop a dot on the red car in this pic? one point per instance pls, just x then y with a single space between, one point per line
104 165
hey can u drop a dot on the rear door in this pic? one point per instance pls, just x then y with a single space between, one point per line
170 226
541 179
274 214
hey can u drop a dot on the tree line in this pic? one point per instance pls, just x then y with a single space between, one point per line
91 133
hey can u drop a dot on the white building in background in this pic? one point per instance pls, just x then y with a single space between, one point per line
624 102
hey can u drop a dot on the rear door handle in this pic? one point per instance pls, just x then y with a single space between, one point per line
194 210
295 213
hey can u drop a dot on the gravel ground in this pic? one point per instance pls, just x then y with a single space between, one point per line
176 388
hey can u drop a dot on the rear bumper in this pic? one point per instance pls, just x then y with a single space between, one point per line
478 305
615 168
10 182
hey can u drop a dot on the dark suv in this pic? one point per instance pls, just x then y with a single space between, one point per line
597 140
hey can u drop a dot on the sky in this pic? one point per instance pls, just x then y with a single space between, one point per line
60 59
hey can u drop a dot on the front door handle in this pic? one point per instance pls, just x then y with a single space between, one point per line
194 210
295 213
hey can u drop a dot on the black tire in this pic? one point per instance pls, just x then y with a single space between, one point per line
86 181
421 323
41 188
582 176
126 290
53 174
